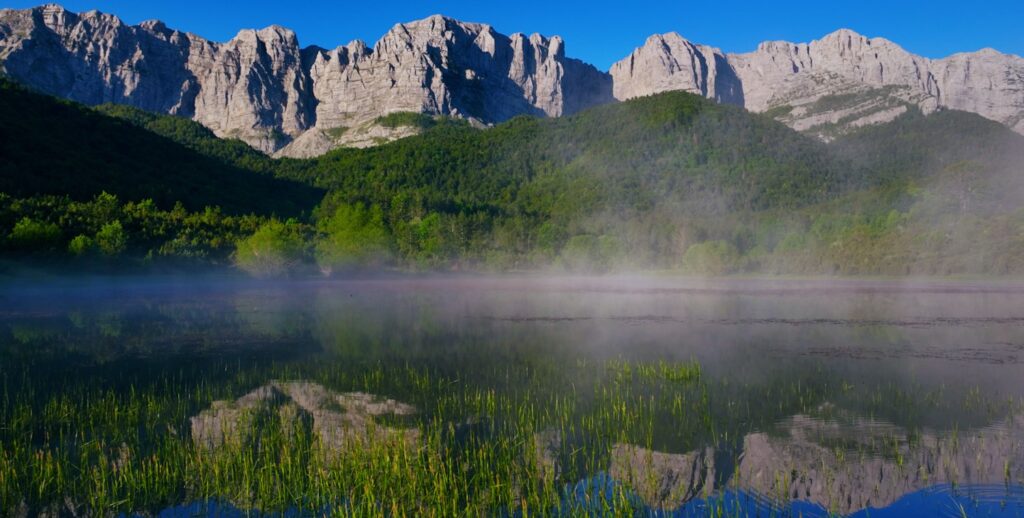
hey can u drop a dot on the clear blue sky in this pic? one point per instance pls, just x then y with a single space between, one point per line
602 33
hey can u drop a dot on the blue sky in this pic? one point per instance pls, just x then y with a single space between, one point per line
601 33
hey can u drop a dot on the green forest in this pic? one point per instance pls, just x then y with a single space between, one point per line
667 182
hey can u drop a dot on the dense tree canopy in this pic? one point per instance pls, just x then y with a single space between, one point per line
54 147
668 181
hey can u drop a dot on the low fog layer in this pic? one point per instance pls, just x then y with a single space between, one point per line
914 332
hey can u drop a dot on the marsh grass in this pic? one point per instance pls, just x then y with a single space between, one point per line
516 440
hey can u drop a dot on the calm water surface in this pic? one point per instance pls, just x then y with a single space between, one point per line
845 397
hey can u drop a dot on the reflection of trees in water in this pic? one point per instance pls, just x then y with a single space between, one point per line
467 337
112 329
426 330
34 331
273 314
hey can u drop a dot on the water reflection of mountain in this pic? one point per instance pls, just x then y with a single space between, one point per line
843 467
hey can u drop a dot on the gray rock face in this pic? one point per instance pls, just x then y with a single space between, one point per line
841 81
667 62
263 88
94 58
439 65
985 82
252 87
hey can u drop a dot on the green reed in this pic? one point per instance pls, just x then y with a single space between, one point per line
124 445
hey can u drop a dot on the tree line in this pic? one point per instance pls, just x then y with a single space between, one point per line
671 181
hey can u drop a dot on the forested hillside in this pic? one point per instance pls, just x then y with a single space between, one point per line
50 146
671 181
580 190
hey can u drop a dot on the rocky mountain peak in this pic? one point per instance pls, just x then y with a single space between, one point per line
668 39
847 43
991 52
556 46
845 38
155 26
671 62
780 48
278 32
55 17
433 30
842 81
96 13
357 47
265 89
438 23
274 34
262 87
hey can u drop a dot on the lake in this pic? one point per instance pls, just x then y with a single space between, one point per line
513 396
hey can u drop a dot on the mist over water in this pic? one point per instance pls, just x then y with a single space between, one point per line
847 385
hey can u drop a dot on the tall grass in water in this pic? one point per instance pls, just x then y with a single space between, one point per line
511 445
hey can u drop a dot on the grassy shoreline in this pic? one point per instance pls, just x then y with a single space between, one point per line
511 444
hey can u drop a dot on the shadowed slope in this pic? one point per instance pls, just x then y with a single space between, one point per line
49 146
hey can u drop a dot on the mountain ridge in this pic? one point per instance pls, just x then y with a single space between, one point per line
881 79
265 89
262 87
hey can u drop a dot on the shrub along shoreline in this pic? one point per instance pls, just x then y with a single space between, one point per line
107 235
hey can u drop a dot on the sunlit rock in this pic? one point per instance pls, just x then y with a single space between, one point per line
337 419
831 85
263 88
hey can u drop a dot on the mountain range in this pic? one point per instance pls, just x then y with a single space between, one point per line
264 88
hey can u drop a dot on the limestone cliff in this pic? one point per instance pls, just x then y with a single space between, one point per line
828 86
263 88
